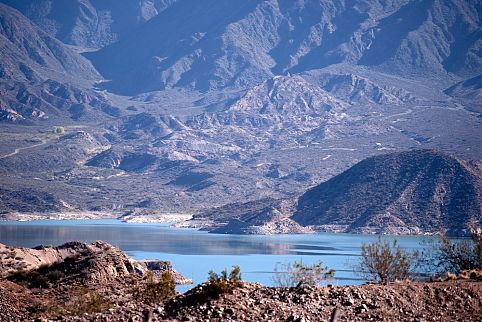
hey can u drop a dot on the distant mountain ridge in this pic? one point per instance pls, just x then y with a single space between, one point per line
89 23
250 41
225 101
41 78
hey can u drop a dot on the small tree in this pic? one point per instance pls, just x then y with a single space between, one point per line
456 256
384 262
58 130
298 274
154 291
223 283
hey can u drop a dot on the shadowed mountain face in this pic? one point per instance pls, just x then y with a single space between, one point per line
238 44
30 54
468 92
422 190
41 78
89 23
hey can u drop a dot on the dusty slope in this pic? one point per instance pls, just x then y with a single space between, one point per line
437 301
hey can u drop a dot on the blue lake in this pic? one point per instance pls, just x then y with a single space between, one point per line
193 253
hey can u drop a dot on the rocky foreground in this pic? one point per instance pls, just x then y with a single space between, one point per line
99 284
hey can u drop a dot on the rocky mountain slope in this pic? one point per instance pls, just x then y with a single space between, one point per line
259 39
468 92
29 52
417 190
89 24
413 192
42 78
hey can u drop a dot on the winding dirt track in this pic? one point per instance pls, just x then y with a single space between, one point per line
43 142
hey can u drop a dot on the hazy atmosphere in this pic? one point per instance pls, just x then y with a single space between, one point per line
140 137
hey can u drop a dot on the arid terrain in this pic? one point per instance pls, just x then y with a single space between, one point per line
99 283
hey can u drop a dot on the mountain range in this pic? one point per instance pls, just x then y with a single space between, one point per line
259 39
183 105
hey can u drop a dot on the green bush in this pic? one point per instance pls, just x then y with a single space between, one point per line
155 291
223 283
87 302
31 279
299 275
58 129
386 262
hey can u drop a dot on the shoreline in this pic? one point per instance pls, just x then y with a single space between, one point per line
185 220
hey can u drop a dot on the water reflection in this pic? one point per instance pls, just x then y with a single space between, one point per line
194 253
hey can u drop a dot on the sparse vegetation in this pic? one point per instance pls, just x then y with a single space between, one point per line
58 130
457 256
83 300
222 283
94 303
31 279
384 262
155 291
42 277
297 274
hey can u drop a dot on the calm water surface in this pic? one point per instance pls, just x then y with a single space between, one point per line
193 253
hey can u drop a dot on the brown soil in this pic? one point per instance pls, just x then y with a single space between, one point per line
459 300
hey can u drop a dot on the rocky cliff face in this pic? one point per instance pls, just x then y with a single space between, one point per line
96 263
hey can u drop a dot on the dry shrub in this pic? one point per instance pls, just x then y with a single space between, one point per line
385 262
456 256
298 274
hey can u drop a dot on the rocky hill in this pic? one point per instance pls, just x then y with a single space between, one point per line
413 192
459 301
72 279
97 263
409 192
